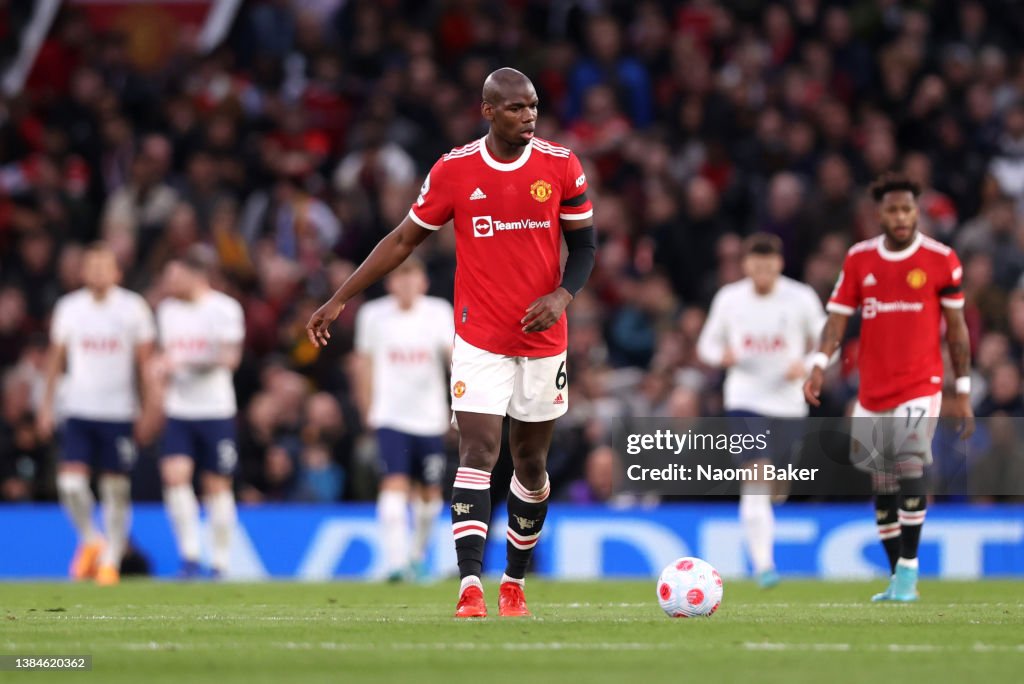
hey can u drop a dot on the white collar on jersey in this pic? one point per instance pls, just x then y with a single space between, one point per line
906 253
504 166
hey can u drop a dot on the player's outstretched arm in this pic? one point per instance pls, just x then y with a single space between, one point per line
392 250
831 337
959 342
581 242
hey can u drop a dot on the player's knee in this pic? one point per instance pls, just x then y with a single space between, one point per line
115 489
884 483
74 468
396 483
910 468
72 481
176 471
215 484
478 453
531 472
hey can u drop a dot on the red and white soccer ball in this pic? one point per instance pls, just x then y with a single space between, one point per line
689 587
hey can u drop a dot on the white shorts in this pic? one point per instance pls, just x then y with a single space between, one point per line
880 440
532 390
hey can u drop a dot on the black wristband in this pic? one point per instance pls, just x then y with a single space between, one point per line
582 246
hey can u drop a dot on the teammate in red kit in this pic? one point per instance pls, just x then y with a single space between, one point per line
905 283
513 197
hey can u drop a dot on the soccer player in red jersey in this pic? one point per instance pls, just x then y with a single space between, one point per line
904 283
512 197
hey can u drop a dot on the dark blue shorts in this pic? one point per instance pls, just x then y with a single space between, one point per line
105 446
210 442
784 436
421 458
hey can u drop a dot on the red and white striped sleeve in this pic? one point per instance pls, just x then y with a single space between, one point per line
951 291
434 207
575 205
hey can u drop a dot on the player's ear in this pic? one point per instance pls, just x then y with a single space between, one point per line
487 110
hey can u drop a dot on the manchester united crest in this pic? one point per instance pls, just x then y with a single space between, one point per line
917 278
459 389
540 191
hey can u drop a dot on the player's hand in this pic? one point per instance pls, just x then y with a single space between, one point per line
318 328
812 388
796 371
546 311
962 410
147 427
45 422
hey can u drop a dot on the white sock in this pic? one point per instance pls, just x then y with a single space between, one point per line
758 521
907 563
393 518
77 499
220 509
513 580
470 581
183 510
116 495
424 515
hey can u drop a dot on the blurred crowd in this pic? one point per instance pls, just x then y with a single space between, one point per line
296 145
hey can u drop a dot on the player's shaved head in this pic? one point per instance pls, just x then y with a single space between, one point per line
503 83
510 105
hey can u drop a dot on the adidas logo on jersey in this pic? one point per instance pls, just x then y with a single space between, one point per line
870 280
559 399
478 194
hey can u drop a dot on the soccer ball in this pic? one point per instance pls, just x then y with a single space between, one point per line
689 587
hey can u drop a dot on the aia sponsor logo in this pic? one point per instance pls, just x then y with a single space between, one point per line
101 345
408 356
188 345
764 344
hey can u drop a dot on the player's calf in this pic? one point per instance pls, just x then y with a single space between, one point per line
527 510
471 512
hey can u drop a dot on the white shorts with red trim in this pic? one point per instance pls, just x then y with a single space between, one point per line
532 390
882 439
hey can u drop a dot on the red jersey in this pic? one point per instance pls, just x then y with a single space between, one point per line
901 295
508 237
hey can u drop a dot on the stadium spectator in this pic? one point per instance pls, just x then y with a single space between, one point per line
292 144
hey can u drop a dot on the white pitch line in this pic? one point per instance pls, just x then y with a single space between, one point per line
892 648
405 646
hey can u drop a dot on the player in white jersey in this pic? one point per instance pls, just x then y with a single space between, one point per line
403 344
761 330
101 335
201 334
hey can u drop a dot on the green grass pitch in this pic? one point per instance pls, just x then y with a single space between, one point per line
612 631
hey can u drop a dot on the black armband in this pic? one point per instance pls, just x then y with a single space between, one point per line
582 246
